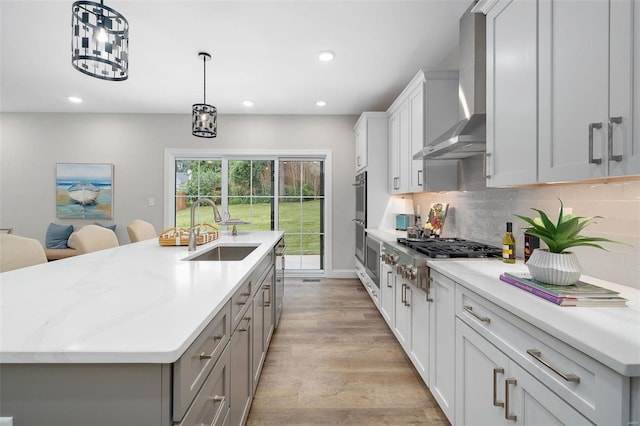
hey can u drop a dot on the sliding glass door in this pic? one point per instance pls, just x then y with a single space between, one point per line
245 189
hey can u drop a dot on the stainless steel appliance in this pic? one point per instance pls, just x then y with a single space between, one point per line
409 257
372 260
468 136
360 219
280 249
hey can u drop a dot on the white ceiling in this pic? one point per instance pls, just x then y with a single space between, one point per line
264 51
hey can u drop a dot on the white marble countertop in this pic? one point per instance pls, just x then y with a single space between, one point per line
609 335
138 303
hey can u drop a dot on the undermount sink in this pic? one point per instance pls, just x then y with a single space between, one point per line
224 253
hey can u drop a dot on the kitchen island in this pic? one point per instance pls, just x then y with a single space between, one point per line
95 339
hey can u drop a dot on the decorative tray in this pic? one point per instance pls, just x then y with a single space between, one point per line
180 236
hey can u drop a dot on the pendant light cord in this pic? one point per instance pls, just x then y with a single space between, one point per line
204 60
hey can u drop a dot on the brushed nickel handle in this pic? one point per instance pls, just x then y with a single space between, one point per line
419 177
612 121
268 290
480 317
406 287
496 371
506 399
217 398
486 173
389 279
537 355
591 127
396 183
404 302
429 282
218 337
359 161
247 319
204 356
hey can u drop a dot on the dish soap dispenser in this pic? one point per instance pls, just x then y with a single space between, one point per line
509 245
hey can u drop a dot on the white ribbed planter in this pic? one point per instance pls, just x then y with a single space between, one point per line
554 268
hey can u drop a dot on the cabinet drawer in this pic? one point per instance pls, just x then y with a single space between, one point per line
261 270
193 367
593 389
240 302
211 406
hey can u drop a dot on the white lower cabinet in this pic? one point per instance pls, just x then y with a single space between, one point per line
540 379
241 368
412 323
442 342
387 296
491 389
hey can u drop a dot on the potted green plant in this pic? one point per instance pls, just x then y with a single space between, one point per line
555 265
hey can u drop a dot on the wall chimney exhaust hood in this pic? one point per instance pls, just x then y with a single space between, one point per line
468 137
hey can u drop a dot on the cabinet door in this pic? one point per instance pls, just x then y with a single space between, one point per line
241 368
512 93
442 342
257 336
402 313
419 307
416 137
624 87
387 296
530 403
480 374
361 146
574 89
394 153
269 307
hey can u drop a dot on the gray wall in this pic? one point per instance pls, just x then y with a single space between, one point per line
480 214
32 144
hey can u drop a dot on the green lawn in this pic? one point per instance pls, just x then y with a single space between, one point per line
296 219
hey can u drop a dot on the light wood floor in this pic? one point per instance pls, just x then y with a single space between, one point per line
333 360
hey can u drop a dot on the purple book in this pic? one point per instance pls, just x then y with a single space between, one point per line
533 290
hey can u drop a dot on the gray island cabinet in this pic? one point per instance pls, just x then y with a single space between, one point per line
148 339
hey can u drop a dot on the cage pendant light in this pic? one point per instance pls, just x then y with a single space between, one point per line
205 123
99 41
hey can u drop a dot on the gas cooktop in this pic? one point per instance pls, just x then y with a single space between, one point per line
450 247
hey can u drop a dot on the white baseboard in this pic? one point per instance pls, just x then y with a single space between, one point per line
342 273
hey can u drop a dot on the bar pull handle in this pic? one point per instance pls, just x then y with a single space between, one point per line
396 183
487 157
537 355
496 371
389 279
507 415
419 177
267 289
591 127
429 282
480 317
217 398
204 356
406 300
612 121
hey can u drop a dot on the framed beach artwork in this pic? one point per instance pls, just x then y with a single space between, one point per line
84 191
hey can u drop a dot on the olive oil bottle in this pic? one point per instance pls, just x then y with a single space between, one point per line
509 245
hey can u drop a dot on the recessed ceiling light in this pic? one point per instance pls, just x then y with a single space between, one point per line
74 99
321 103
247 103
326 55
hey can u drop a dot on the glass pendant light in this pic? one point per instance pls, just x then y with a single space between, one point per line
205 116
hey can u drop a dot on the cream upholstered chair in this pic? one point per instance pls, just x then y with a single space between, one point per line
93 238
140 230
19 252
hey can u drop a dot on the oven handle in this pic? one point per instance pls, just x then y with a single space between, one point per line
358 221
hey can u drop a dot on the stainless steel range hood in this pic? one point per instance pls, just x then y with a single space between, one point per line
468 136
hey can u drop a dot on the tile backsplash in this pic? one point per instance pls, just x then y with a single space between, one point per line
479 213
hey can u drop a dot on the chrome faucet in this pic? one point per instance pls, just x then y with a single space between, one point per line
193 234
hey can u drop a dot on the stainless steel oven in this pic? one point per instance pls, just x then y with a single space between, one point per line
360 218
361 197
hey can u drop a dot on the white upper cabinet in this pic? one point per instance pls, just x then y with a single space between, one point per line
360 133
425 109
586 87
512 93
561 93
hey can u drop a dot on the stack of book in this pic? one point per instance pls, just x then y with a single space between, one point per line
578 294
